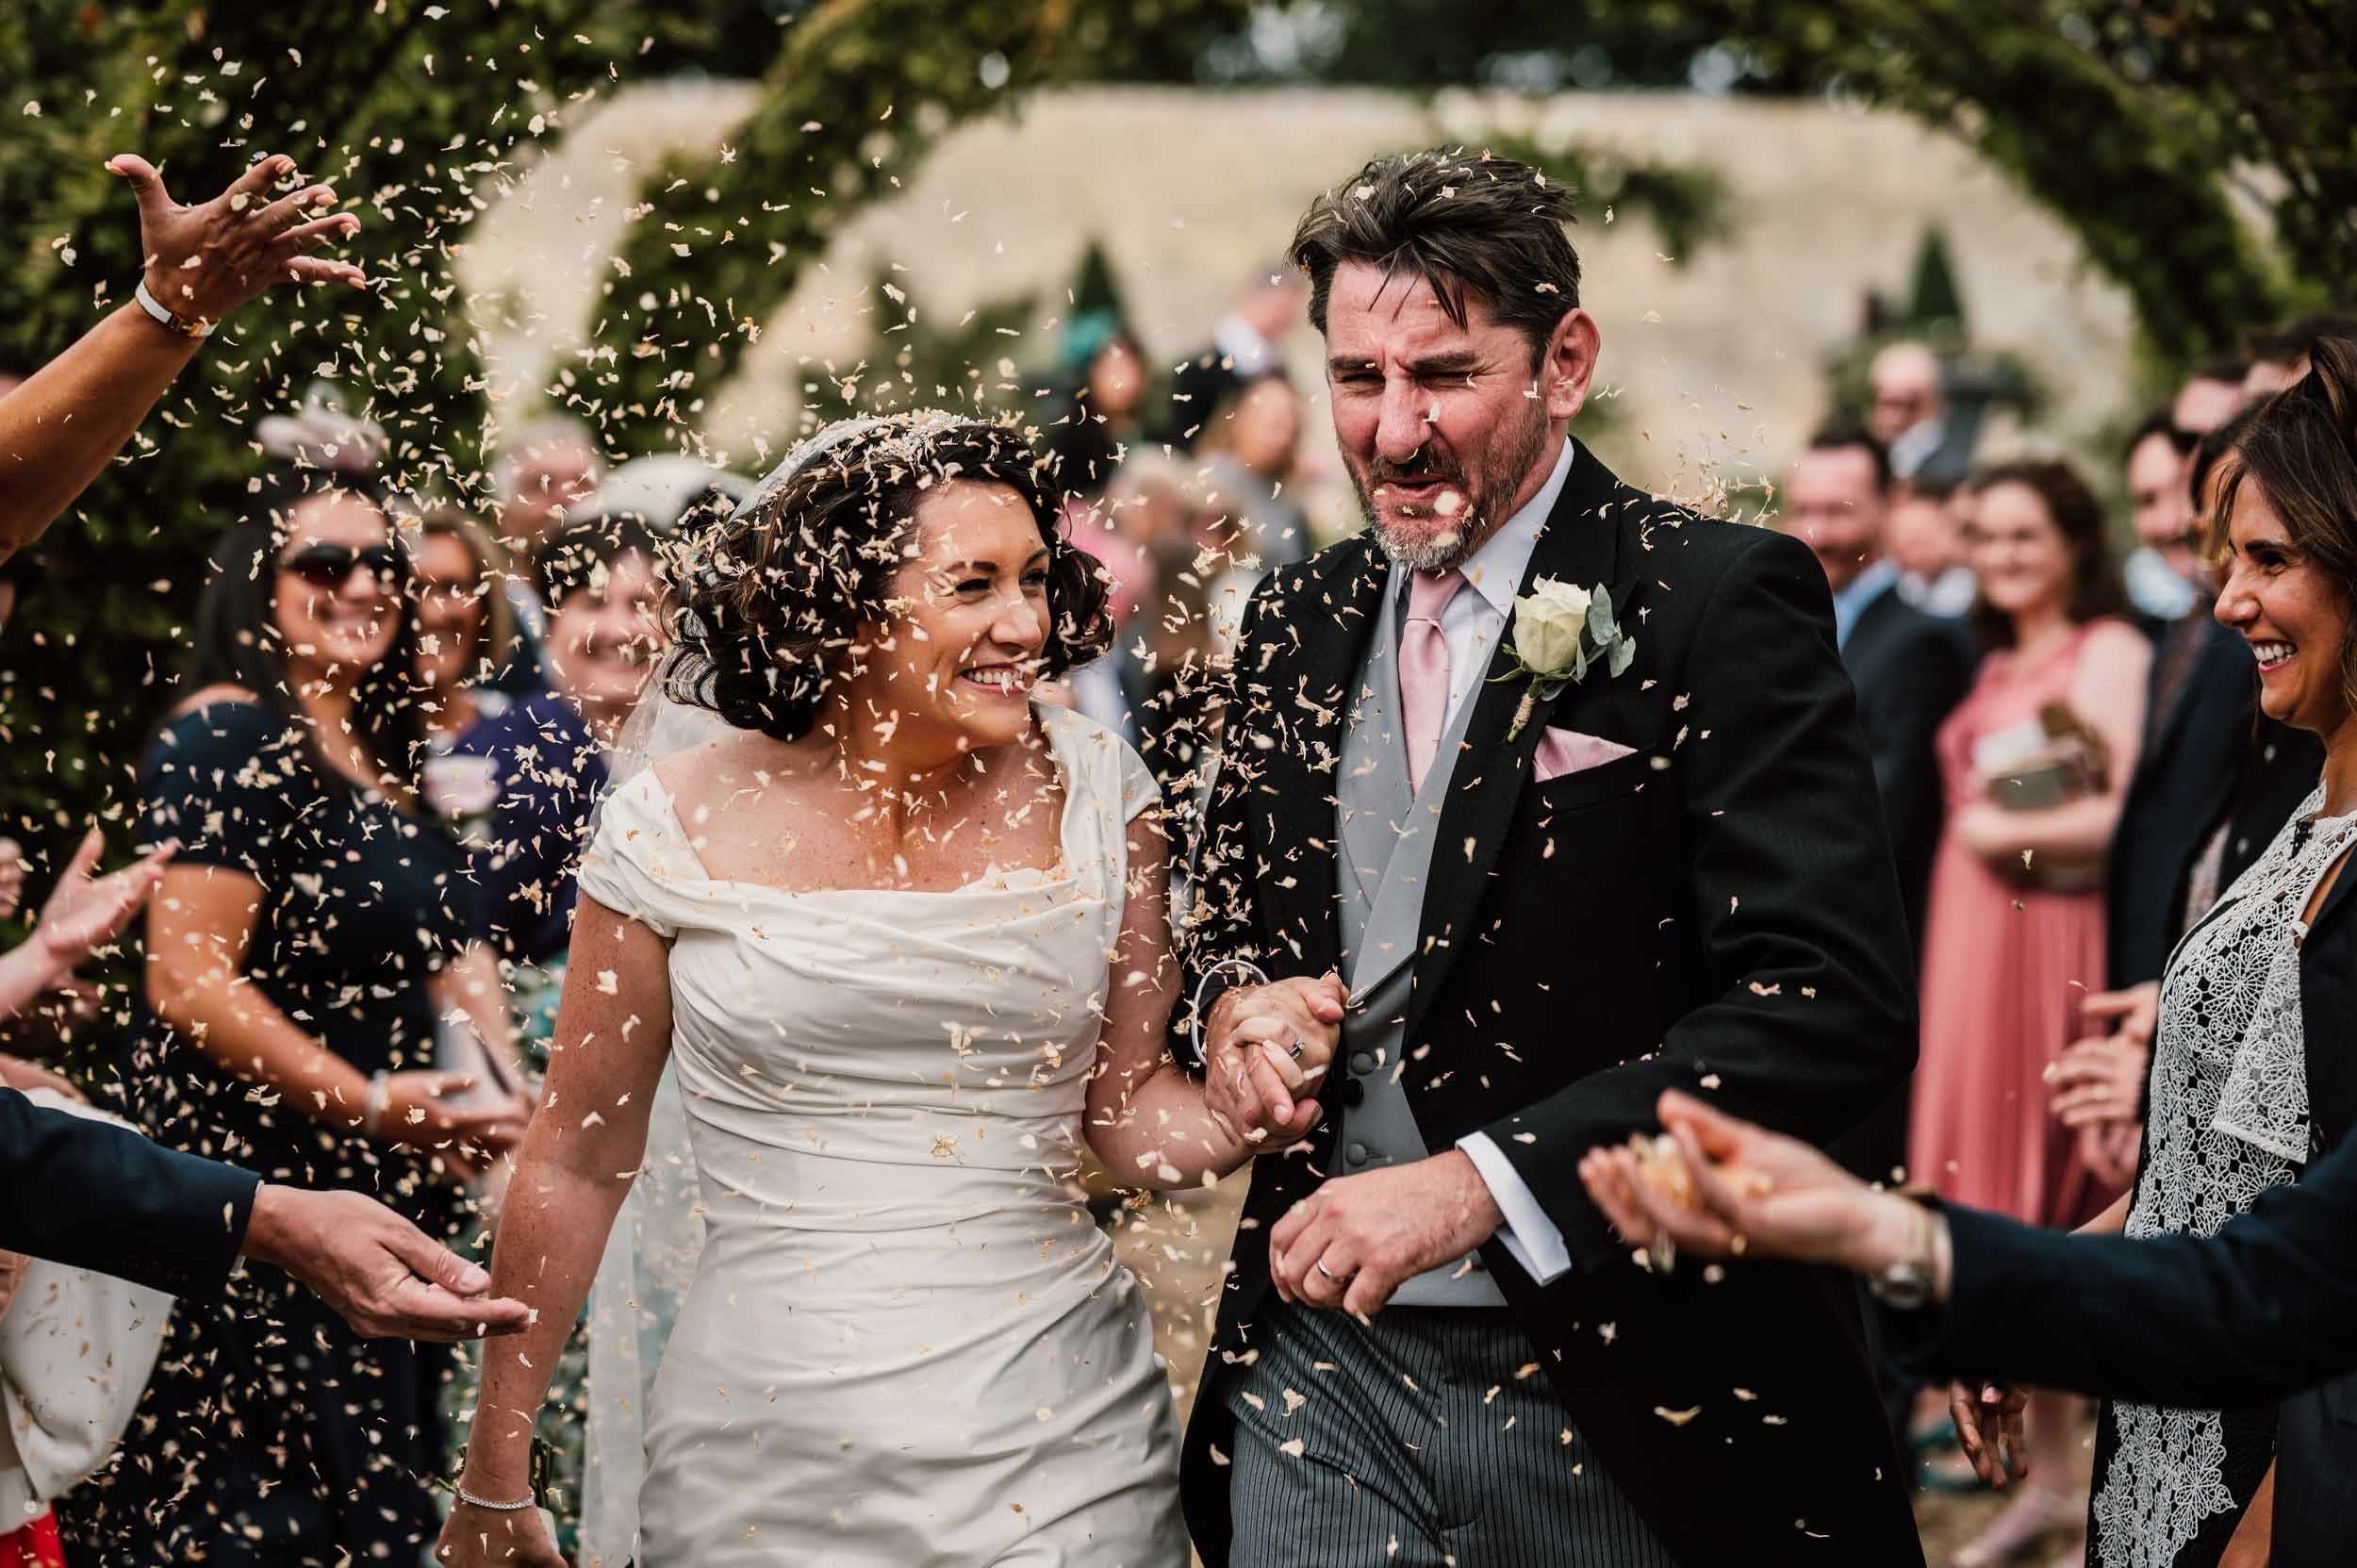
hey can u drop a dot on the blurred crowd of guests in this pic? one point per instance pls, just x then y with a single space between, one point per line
2073 767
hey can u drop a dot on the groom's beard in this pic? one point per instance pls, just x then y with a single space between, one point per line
1507 461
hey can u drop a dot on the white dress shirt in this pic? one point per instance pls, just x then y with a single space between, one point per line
1472 624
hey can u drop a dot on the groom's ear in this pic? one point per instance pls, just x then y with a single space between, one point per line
1568 363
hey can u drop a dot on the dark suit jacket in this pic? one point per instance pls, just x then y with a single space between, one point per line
1911 669
2266 1308
2188 757
1717 909
91 1196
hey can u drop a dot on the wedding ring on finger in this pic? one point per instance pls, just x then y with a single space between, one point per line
1298 1048
1338 1279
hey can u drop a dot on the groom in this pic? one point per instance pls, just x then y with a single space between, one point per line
1548 902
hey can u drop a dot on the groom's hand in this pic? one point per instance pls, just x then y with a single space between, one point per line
1269 1048
1358 1238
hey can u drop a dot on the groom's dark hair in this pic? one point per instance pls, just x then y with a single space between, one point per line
1463 223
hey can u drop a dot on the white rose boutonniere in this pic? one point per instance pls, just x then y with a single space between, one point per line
1561 631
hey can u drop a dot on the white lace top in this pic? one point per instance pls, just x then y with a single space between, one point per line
2229 1119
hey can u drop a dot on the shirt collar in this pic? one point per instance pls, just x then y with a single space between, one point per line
1867 587
1496 571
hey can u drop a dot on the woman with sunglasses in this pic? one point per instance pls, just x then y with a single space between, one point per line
299 950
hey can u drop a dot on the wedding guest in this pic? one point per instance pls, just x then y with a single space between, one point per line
2196 718
1178 723
2265 1310
1243 348
59 428
102 1197
1251 445
1910 669
1909 415
551 468
2098 1084
297 955
2211 396
1104 416
548 468
1924 534
466 630
2241 1094
2280 356
1150 497
546 752
2014 935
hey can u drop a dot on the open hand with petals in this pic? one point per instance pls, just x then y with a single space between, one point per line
85 913
1746 1191
204 261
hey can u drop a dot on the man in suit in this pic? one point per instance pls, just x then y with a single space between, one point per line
2197 720
1910 669
1547 901
90 1194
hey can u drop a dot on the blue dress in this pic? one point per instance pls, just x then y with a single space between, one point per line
269 1433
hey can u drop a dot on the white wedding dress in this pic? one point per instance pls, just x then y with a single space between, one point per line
905 1344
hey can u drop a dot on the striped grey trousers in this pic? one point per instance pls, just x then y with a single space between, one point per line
1429 1439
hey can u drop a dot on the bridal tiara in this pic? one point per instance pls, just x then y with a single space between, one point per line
913 428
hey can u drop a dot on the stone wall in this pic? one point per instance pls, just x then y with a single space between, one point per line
1714 365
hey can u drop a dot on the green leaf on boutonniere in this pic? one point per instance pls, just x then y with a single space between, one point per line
1560 632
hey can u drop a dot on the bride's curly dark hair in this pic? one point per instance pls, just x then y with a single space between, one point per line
761 606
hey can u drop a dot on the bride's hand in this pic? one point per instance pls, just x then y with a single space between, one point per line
1269 1044
483 1538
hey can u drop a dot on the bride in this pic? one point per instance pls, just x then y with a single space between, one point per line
901 935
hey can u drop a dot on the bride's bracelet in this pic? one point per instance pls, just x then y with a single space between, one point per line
473 1501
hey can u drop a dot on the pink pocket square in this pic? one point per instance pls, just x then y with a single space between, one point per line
1562 752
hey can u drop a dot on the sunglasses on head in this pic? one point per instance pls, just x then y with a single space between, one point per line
327 566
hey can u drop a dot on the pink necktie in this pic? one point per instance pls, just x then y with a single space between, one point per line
1424 670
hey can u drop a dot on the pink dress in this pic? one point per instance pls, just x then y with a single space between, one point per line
2005 967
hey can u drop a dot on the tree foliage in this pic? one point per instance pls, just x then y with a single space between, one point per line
860 92
418 119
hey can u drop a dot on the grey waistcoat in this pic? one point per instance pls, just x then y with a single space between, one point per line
1386 841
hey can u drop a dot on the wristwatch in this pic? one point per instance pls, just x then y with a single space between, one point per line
1906 1285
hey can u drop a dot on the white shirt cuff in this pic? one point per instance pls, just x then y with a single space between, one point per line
1532 1239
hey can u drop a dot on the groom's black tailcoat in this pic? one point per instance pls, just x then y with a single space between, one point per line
1715 913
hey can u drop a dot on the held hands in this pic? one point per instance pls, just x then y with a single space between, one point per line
203 262
379 1272
1267 1043
1358 1238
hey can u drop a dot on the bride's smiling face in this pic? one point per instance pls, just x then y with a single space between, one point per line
960 652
